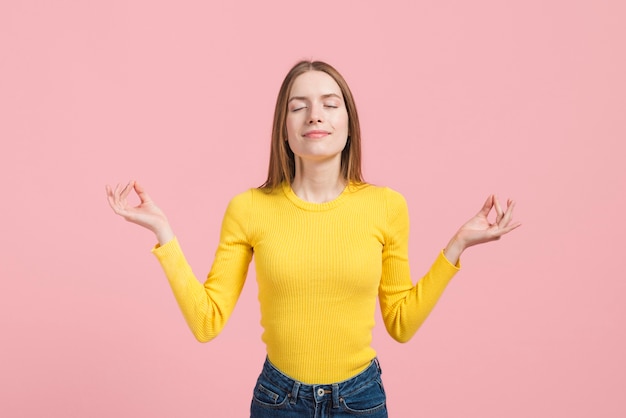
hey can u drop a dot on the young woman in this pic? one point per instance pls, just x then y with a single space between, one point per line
326 245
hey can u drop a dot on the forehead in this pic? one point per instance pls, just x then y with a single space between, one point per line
314 83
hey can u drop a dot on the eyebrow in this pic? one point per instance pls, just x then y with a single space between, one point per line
324 96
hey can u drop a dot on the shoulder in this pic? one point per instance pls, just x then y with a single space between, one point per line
241 200
384 194
254 197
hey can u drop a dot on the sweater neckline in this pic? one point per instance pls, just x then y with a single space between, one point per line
319 207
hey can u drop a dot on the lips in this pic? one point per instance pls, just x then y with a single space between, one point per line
316 134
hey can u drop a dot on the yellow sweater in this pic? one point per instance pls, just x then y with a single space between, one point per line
319 268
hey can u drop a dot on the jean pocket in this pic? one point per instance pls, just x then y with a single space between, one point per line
368 401
269 396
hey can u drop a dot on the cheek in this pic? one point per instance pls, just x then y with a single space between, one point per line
340 122
290 127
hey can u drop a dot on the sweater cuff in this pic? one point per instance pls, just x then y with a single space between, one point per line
442 259
167 250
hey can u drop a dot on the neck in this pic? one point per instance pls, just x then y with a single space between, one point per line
318 183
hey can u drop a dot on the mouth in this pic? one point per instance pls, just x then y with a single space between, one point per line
316 134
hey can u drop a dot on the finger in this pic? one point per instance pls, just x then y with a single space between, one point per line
506 219
509 228
109 191
116 195
118 190
487 206
126 190
143 196
499 211
119 204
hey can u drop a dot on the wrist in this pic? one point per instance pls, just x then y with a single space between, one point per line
454 249
457 243
164 234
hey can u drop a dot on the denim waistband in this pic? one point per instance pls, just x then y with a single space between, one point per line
321 391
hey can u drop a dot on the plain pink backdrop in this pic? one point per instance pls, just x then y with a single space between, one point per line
457 99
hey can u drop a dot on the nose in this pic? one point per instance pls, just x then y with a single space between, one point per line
315 115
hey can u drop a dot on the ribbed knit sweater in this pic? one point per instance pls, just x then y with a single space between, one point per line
319 268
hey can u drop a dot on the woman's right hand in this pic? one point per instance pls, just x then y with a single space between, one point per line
146 214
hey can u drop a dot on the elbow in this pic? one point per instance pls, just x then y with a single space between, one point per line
203 335
402 338
206 329
399 332
203 338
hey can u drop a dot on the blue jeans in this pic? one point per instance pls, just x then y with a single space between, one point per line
278 395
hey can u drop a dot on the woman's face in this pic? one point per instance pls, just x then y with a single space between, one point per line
317 118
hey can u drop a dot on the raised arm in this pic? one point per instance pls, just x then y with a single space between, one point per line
479 230
206 307
406 306
147 214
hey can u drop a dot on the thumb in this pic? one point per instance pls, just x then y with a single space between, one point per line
484 211
143 196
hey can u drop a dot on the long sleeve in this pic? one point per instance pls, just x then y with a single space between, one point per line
405 306
319 269
207 307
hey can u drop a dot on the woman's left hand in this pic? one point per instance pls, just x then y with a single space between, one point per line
479 229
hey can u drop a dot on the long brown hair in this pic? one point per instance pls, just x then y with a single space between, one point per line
282 165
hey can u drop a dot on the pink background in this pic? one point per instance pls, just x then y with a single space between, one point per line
458 99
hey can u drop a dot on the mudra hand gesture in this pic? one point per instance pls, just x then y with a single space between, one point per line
146 214
479 229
